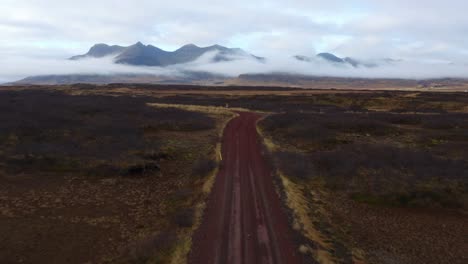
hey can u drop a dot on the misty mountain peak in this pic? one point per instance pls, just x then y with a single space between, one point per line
347 61
330 57
352 61
216 46
189 46
303 58
100 50
99 46
139 45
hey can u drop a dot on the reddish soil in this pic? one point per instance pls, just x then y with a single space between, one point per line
244 221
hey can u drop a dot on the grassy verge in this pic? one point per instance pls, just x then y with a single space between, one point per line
335 164
182 249
310 218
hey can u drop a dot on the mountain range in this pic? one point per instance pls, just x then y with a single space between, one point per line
148 55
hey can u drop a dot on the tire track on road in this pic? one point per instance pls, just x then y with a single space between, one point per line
244 221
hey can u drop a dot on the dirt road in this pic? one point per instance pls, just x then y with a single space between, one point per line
244 221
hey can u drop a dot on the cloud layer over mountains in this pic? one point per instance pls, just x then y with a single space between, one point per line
218 60
419 33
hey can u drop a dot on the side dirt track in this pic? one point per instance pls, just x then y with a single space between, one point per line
244 221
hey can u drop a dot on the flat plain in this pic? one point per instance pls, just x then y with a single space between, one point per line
122 173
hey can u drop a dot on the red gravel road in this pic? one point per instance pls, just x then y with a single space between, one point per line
244 221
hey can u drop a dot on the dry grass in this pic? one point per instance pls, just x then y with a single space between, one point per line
306 202
202 109
303 220
185 238
416 133
182 250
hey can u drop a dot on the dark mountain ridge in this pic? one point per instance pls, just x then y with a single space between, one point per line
148 55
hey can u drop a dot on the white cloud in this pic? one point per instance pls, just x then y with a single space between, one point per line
20 67
432 30
15 68
286 64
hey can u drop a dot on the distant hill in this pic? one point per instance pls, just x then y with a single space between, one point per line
335 60
187 77
148 55
260 80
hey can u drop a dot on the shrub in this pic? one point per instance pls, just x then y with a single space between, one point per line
203 167
151 247
184 217
296 165
141 169
86 128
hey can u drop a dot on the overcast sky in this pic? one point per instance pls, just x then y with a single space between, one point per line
430 29
422 31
